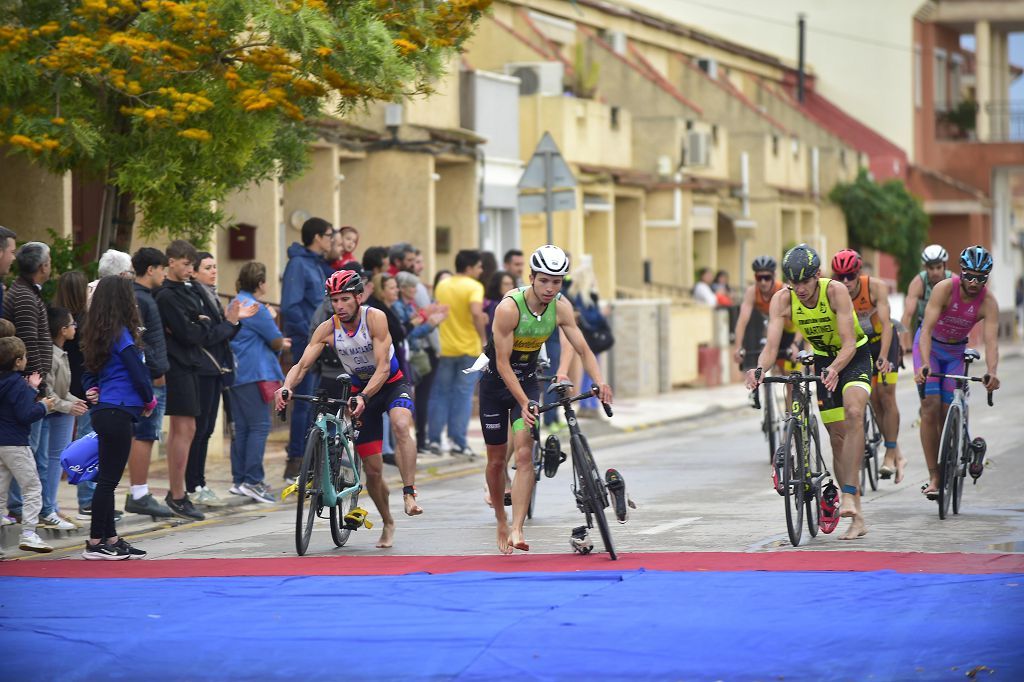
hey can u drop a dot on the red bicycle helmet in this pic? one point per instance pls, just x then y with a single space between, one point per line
344 282
846 261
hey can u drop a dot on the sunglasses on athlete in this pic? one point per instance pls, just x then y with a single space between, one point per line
765 278
847 276
971 277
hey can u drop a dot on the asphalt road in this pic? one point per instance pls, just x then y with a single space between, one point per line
698 486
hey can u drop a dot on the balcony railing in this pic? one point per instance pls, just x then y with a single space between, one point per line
1004 119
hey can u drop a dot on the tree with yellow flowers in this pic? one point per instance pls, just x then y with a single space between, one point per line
176 103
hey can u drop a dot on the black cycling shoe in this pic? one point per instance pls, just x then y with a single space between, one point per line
617 487
553 456
977 466
580 541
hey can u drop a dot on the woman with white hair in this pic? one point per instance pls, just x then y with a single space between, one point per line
112 262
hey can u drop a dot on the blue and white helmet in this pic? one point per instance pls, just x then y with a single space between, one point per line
550 260
976 259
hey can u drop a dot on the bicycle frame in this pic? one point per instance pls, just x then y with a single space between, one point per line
344 436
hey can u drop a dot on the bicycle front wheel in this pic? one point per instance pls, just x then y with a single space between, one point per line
813 497
771 430
793 481
872 437
537 466
949 457
308 490
593 490
347 475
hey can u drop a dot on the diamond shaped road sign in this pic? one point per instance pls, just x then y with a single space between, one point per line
546 168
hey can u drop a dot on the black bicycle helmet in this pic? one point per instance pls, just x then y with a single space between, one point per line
764 263
800 262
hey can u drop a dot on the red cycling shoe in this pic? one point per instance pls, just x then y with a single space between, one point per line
830 502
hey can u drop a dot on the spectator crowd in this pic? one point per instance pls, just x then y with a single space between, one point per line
153 336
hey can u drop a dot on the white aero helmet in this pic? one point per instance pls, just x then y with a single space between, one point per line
550 260
933 253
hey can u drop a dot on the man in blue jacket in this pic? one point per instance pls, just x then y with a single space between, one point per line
302 290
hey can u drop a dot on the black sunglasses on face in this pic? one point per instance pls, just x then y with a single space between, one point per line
971 277
848 276
765 278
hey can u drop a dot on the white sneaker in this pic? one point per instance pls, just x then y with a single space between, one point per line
34 543
236 490
56 522
210 498
257 492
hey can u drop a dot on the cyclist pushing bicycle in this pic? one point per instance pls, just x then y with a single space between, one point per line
955 306
523 321
360 335
823 312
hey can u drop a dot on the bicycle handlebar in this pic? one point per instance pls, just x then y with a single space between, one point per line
333 403
594 391
788 379
961 377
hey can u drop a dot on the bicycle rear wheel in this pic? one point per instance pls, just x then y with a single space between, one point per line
347 474
813 498
872 438
593 490
793 482
308 490
949 457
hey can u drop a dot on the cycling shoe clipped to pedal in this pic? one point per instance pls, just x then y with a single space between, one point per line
977 466
553 455
580 541
620 501
830 502
356 518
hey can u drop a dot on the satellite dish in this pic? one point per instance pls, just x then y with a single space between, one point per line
297 218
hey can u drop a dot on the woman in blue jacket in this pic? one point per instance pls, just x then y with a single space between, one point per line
258 375
118 384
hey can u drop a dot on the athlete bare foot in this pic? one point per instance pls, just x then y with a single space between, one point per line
503 544
411 508
518 541
848 508
387 536
901 467
857 529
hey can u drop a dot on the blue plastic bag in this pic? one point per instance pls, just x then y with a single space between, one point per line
81 459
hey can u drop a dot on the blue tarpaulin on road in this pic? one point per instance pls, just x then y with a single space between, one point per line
601 625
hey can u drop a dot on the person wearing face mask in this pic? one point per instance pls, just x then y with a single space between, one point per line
216 372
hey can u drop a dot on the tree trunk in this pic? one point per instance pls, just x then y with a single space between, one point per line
116 220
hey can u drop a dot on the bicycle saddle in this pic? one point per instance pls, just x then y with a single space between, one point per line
560 386
970 355
344 378
806 357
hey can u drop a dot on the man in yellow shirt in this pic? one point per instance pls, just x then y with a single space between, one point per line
463 335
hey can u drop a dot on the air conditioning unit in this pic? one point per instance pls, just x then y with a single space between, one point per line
698 148
708 66
538 78
618 41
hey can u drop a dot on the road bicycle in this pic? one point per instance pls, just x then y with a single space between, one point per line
590 491
957 451
872 441
330 476
799 469
774 404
